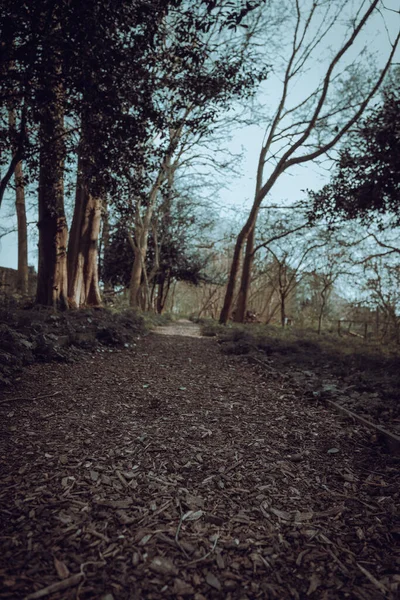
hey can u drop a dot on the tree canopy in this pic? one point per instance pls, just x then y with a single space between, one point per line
366 181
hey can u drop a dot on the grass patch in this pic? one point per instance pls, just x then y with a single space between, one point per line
153 320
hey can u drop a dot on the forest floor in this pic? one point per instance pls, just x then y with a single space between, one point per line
170 470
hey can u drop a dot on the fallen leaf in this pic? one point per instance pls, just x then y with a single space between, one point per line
213 581
315 582
181 588
163 566
61 568
282 514
220 560
145 539
192 515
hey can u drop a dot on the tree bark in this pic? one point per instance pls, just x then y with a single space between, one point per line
321 311
83 273
283 310
22 283
230 289
241 306
23 273
53 232
136 276
248 227
160 296
140 244
104 245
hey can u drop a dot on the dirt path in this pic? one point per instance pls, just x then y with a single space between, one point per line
173 471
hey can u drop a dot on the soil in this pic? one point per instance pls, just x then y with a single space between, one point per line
171 470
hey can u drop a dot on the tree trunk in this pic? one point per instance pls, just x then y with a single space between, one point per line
136 276
241 306
22 283
53 232
242 237
104 245
165 293
83 274
230 289
160 296
283 309
321 313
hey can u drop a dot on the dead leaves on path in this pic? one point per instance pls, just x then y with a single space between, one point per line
226 489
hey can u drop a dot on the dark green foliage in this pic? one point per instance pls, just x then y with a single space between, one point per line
366 183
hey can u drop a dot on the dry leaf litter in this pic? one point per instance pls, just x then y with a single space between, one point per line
173 471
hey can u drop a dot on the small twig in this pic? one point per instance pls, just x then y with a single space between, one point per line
178 530
57 587
339 562
372 579
197 560
97 534
177 534
32 399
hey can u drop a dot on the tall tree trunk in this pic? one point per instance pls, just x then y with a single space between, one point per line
23 272
164 292
23 283
140 244
248 227
104 242
241 306
321 312
230 289
136 275
283 310
83 274
53 232
160 295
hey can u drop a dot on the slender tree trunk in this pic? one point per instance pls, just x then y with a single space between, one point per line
283 310
53 232
104 244
321 312
241 239
160 295
230 289
23 283
136 276
173 296
83 274
23 273
241 306
166 293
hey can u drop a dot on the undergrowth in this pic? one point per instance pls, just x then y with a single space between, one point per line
369 364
